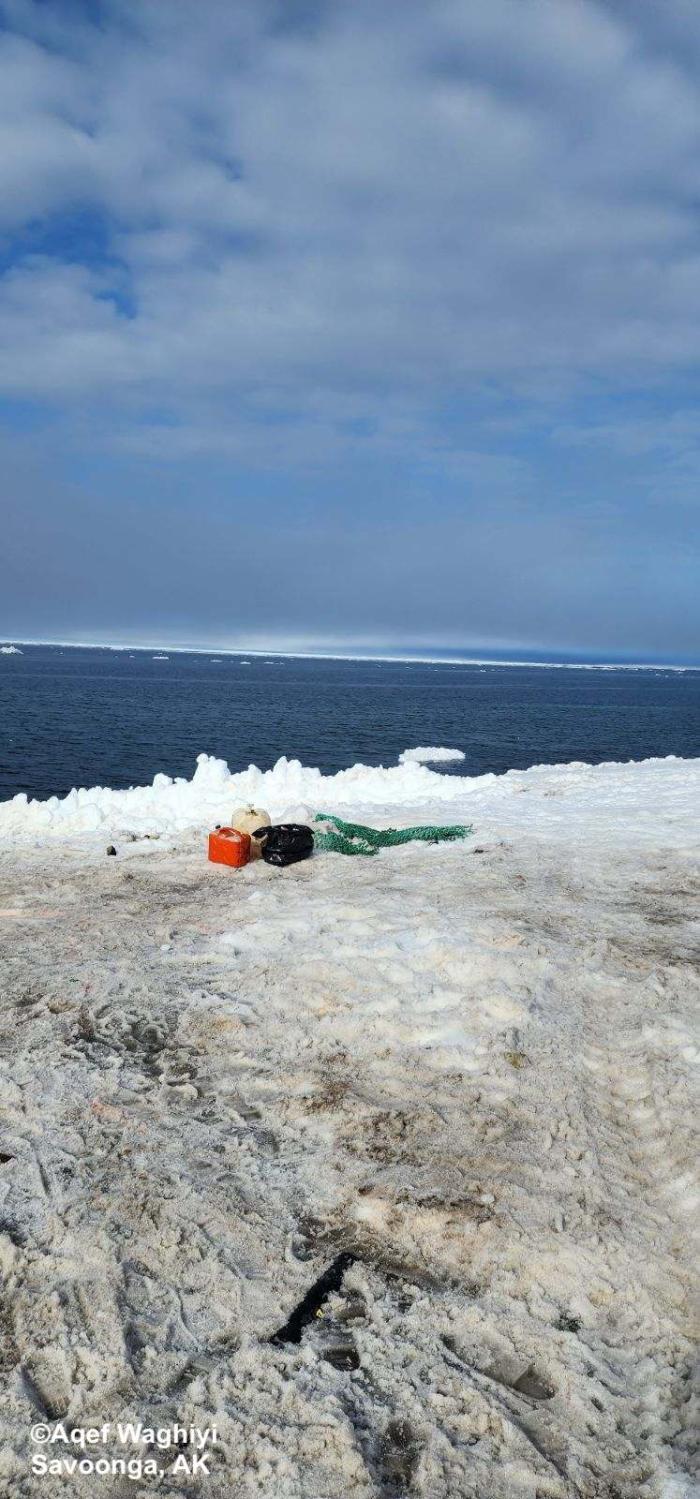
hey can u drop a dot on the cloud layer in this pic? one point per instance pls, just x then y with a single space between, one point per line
327 265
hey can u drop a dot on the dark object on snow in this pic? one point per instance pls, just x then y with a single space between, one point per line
112 851
304 1313
566 1323
341 1356
285 842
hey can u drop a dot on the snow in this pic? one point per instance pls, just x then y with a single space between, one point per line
470 1065
560 801
10 650
424 755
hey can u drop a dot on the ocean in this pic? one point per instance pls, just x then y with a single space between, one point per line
87 716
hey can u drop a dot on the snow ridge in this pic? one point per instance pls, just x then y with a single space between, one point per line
566 800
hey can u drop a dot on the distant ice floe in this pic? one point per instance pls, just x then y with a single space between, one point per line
10 650
160 658
427 755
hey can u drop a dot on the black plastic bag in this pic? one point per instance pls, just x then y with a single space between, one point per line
285 843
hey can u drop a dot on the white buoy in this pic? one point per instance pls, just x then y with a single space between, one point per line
248 820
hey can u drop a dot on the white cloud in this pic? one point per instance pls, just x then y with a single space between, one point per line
400 197
418 260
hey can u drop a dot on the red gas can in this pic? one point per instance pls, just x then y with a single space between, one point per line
228 846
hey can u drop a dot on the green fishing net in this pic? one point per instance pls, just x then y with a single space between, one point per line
354 838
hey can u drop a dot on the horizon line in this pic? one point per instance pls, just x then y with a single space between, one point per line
256 651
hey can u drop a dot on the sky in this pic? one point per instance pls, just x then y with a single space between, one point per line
336 324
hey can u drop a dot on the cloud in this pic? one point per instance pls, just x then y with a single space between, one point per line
395 194
344 236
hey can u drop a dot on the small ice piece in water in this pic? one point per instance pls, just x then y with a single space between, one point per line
425 754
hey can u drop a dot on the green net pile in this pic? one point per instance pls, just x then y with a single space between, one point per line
355 838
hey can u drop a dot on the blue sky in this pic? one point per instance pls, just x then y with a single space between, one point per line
345 324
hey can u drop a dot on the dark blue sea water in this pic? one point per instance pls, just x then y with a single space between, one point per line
73 716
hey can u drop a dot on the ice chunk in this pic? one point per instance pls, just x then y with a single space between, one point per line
425 754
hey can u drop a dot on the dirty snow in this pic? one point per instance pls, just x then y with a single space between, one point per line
470 1066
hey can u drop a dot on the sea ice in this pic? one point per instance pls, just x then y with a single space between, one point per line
426 755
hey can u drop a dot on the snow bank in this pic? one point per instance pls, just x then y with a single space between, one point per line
425 754
571 801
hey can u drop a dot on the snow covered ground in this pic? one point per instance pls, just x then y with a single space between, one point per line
468 1066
